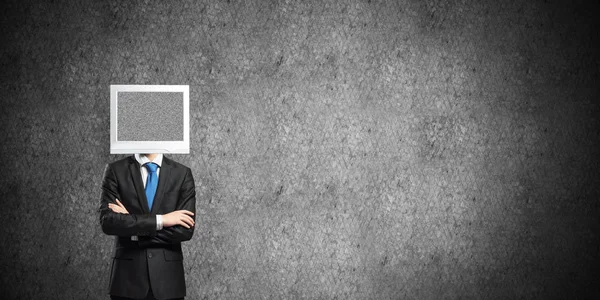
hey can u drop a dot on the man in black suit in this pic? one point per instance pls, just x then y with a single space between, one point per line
149 203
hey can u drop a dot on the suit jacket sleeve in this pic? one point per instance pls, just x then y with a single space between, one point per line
177 233
121 224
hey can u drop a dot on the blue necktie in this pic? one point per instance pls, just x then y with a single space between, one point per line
151 183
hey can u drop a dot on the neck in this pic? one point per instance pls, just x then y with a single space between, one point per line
151 156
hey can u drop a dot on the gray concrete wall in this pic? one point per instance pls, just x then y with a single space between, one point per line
341 149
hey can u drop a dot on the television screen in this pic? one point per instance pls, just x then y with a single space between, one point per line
149 119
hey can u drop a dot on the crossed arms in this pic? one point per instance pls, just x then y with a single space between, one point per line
178 226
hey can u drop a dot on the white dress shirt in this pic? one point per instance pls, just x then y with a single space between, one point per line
142 159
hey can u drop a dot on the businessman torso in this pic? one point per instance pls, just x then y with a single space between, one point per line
156 260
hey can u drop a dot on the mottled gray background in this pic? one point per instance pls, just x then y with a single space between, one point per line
341 149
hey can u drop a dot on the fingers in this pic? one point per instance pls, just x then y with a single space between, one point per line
124 210
188 220
185 220
114 208
117 209
120 204
182 223
186 212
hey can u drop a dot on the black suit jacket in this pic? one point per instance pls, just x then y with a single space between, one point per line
155 260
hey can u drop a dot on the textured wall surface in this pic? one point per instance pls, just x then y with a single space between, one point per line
341 149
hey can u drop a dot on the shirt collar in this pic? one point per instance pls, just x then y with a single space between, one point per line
142 159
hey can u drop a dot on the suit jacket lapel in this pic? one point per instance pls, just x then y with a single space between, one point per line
136 176
163 177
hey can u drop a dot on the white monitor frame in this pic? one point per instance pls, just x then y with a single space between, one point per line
131 147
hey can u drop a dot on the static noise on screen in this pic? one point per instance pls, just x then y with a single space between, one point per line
149 119
150 116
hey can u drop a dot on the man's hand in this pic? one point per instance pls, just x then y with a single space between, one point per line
118 208
178 217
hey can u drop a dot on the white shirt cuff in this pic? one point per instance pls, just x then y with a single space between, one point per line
159 224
